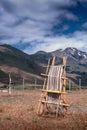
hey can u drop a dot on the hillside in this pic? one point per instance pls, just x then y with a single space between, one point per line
19 64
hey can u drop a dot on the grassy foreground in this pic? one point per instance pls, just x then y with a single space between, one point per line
19 112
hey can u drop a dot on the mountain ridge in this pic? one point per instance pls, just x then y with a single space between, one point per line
30 67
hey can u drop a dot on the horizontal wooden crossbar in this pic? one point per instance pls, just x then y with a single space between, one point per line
4 91
53 76
53 91
55 103
44 74
64 78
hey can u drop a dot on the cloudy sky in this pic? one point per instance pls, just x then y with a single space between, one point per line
48 25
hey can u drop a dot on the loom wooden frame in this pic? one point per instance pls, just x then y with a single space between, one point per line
45 91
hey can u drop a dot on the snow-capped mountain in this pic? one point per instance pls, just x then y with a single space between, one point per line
73 53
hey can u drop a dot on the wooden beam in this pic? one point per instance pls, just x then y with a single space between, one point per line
52 91
64 78
53 76
53 61
50 102
47 69
64 61
64 81
44 74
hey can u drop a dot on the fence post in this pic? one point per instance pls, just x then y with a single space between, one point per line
69 85
23 85
10 87
35 83
80 84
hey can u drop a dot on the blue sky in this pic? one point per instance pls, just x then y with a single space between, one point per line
48 25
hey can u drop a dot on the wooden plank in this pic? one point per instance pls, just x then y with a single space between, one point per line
53 91
53 61
44 74
64 78
52 76
55 103
4 91
45 80
64 61
49 102
64 104
64 81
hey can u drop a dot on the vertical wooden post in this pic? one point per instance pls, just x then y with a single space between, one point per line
69 85
41 105
53 61
45 80
80 84
23 86
35 83
64 83
10 87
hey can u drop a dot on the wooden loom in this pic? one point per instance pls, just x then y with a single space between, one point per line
53 97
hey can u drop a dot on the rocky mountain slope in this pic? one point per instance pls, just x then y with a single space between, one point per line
72 53
76 62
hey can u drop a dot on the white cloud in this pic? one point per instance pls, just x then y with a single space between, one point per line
84 25
70 16
32 20
77 40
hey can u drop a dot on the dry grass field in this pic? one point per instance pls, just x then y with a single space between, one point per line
19 112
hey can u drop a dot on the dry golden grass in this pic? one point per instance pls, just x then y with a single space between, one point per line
18 112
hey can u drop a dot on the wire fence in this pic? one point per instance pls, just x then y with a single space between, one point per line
19 83
18 87
9 83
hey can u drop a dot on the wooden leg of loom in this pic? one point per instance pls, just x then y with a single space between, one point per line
42 105
41 109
